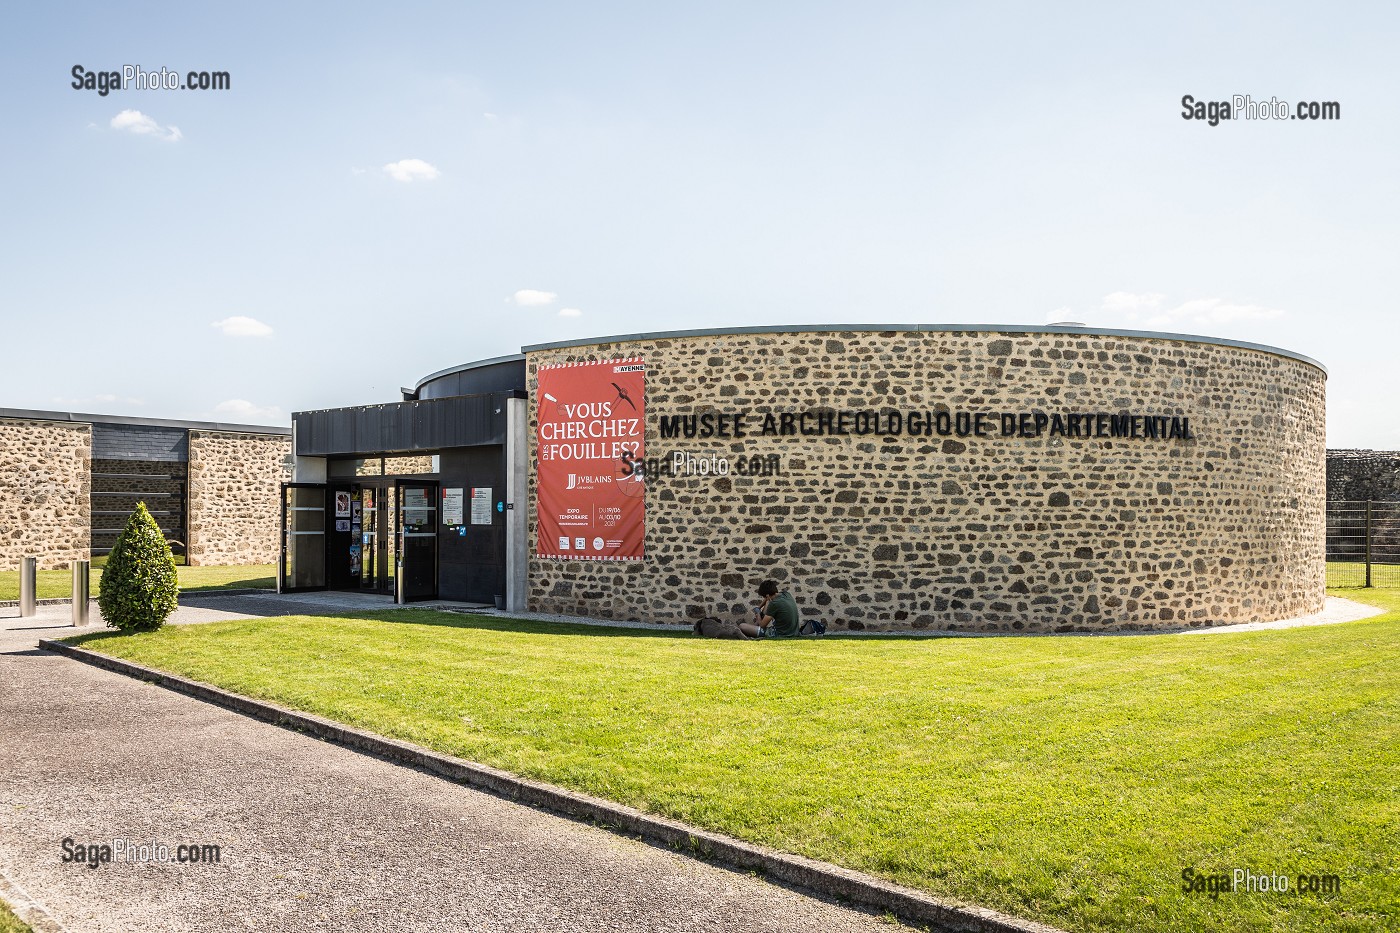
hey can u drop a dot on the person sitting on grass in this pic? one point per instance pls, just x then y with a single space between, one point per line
776 616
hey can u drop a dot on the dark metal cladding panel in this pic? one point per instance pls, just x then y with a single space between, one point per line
459 421
305 427
369 428
429 421
343 429
403 416
506 376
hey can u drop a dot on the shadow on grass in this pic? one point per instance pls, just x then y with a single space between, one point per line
80 640
252 583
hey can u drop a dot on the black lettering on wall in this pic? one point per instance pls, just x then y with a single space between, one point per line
889 422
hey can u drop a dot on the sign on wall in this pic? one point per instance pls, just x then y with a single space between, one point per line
590 419
452 506
481 505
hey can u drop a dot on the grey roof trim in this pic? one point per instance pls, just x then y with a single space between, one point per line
512 358
930 328
28 414
502 393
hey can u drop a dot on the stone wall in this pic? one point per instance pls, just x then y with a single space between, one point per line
1042 533
234 484
44 492
1357 475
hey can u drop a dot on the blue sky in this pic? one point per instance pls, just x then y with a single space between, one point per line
384 190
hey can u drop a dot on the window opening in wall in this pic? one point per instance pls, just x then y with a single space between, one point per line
118 485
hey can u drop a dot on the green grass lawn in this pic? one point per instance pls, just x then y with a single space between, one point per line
58 584
9 923
1069 780
1348 576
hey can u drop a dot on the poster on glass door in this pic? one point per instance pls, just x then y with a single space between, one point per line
590 419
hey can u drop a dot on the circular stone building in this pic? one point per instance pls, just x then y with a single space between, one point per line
968 478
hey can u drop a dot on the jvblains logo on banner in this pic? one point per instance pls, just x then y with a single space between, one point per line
591 419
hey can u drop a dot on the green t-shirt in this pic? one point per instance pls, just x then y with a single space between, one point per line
783 609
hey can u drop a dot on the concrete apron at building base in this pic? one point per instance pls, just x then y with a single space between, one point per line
820 877
1335 610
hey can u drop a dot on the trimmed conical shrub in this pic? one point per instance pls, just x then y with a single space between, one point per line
139 586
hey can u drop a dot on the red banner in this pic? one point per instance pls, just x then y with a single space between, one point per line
591 418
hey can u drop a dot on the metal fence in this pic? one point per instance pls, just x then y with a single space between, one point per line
1363 543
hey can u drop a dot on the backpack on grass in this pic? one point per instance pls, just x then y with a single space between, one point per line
812 627
710 627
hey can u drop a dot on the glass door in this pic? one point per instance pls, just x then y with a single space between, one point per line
303 560
378 535
417 515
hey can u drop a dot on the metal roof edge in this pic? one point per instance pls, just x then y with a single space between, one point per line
928 328
28 414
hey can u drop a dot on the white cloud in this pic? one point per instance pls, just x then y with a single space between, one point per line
1119 302
490 116
1060 316
570 312
407 170
242 327
134 121
237 409
533 298
1216 311
1147 310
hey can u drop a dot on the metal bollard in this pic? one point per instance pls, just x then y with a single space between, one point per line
28 579
82 581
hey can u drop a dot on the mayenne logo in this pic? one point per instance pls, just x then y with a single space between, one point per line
132 76
1244 107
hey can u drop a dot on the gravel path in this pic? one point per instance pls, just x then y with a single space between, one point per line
312 836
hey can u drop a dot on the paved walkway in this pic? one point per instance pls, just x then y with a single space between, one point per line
313 836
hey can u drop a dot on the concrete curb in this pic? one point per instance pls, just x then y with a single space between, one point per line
820 877
184 594
47 601
27 909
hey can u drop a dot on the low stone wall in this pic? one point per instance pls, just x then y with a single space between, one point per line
234 508
44 486
952 527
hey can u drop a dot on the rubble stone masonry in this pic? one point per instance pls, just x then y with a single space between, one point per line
234 512
1358 475
44 477
953 523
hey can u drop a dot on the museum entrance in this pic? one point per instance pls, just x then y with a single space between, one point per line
410 526
371 536
393 534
